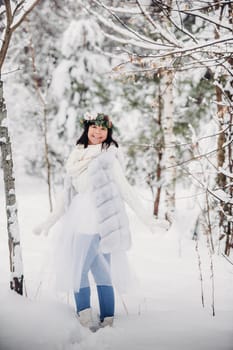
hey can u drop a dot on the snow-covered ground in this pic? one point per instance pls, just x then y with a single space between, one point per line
164 311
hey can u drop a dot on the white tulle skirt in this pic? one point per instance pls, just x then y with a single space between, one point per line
70 249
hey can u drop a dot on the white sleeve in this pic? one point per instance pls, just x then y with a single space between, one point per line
72 161
120 157
129 195
56 214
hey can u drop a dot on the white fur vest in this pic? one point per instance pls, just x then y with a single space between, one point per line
111 214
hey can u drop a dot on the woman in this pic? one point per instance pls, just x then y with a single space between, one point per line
96 232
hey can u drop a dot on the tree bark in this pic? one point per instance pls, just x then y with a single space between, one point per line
169 142
42 102
160 156
15 256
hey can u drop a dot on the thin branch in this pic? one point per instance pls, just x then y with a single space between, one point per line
194 48
12 71
113 26
158 27
227 259
207 190
224 2
134 42
25 14
10 29
148 145
200 273
199 156
8 12
206 18
7 33
17 7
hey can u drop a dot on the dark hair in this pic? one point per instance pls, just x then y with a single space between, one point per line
83 140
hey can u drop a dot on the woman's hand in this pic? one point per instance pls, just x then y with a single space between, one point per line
159 225
42 229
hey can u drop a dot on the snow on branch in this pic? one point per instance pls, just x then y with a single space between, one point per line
167 36
226 173
127 31
133 42
14 18
221 196
26 7
199 156
125 10
207 19
168 44
227 38
196 13
208 6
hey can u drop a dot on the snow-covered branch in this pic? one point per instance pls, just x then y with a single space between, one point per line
199 156
30 6
13 21
167 44
126 31
166 35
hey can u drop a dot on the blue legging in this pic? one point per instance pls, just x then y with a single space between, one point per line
99 265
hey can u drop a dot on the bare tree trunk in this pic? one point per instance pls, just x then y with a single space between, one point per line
160 156
168 133
44 113
221 178
16 264
169 142
225 165
228 208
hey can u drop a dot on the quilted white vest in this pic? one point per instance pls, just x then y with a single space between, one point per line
111 213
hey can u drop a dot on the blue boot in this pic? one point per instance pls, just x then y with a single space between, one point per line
106 304
82 299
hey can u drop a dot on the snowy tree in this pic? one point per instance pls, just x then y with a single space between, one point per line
11 12
198 36
35 52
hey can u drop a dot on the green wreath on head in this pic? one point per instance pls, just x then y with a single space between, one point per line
100 119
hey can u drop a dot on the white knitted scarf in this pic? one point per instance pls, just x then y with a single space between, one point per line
80 158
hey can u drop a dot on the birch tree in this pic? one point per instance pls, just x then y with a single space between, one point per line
13 13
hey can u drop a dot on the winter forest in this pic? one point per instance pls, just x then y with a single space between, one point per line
163 72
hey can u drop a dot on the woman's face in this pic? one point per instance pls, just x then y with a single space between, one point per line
96 134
